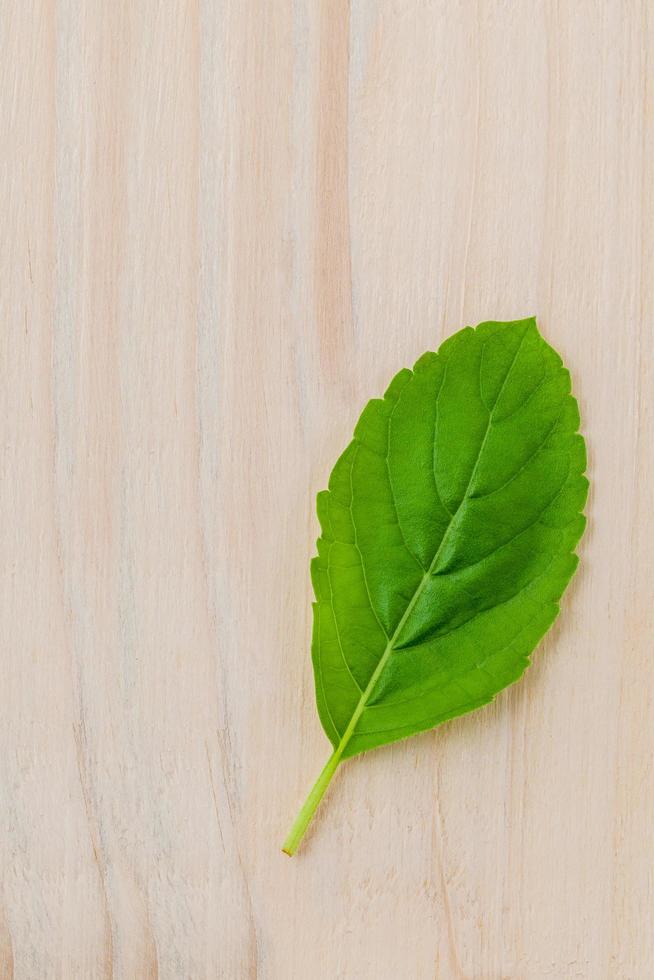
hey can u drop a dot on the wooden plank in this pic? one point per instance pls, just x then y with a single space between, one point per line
225 225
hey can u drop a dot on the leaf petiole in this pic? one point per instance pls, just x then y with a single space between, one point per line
303 818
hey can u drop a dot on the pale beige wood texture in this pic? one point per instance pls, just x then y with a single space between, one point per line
223 227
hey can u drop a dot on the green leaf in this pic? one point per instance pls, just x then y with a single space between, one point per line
448 537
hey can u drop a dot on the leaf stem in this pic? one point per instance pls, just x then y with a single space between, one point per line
303 818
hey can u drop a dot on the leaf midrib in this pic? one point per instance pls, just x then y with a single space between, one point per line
379 669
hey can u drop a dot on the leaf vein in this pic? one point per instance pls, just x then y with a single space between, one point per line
356 545
392 489
435 436
537 450
513 537
351 728
336 624
495 653
339 734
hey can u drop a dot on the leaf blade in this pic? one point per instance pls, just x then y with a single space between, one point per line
432 562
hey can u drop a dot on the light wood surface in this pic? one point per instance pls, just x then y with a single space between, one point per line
223 227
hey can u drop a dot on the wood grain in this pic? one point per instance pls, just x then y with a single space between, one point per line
225 225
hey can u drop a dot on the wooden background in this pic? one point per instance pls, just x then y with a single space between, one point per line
224 224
